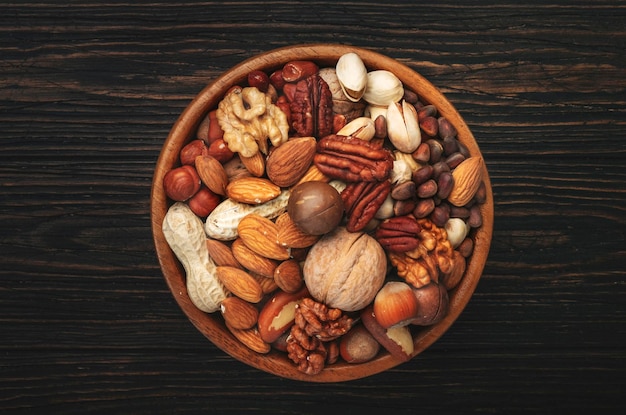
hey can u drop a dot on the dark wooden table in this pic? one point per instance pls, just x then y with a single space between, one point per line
88 93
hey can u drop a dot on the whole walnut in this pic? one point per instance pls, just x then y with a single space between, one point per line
249 118
345 269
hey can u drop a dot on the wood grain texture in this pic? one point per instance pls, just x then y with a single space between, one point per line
90 90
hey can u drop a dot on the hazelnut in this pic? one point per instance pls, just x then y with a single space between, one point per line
181 183
192 150
203 202
219 149
395 304
358 345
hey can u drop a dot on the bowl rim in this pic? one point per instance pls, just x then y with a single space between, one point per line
183 130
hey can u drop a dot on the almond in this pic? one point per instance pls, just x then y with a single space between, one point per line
240 283
253 261
313 174
252 190
212 173
288 162
288 276
268 285
467 177
221 253
261 235
250 338
254 164
291 236
239 313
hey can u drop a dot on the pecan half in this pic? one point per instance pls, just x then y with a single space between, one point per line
362 200
312 107
399 233
352 160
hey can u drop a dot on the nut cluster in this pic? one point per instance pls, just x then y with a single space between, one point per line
425 191
336 166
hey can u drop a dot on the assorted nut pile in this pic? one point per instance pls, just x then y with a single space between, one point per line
324 212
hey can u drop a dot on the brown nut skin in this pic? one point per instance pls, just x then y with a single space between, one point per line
280 344
444 184
276 79
427 189
219 149
288 276
446 129
424 208
432 302
192 150
239 313
259 80
358 345
215 131
181 183
296 70
380 334
315 207
203 202
429 126
277 315
422 154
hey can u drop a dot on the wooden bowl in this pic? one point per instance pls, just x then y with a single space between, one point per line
212 325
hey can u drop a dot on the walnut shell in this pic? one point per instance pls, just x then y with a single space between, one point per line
345 270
